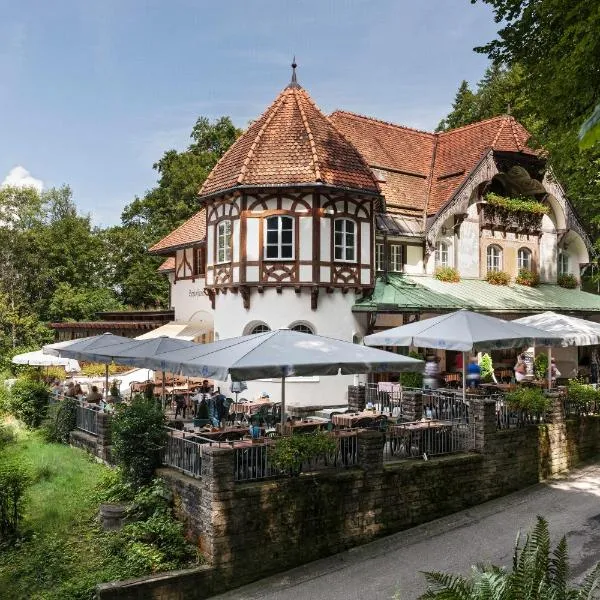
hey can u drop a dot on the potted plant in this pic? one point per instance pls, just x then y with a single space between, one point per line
290 453
528 278
447 274
528 399
568 281
497 278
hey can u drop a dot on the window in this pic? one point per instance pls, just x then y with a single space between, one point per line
494 258
280 238
524 259
224 241
563 263
396 255
199 260
260 328
302 328
379 257
344 240
441 254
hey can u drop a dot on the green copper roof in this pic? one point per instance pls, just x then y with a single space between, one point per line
409 293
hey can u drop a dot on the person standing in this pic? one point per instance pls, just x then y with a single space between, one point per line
473 372
432 372
520 368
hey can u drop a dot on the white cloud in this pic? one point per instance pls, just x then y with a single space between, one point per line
20 177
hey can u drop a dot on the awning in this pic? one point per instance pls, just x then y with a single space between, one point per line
183 330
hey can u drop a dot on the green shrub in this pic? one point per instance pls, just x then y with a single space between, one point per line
568 281
412 380
487 368
4 398
290 452
112 487
60 421
448 274
531 399
528 278
497 278
29 401
14 480
524 205
540 366
581 394
138 436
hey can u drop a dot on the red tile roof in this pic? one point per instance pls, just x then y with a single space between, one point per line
292 142
193 231
168 265
419 171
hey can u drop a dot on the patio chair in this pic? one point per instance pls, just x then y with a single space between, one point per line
363 422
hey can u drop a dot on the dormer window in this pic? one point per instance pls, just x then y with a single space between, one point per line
224 242
344 240
280 238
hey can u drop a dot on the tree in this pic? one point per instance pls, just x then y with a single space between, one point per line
535 575
463 109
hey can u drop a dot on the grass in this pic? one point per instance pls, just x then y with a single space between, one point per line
61 554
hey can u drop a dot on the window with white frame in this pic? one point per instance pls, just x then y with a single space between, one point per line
396 258
563 263
279 234
379 257
302 328
524 259
344 240
494 258
224 241
260 328
441 254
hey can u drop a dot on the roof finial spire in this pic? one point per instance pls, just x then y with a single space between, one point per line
508 109
294 82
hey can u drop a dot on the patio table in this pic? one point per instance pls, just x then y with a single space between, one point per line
250 407
306 426
228 433
349 419
421 437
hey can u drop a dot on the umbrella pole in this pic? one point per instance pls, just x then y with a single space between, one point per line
162 394
464 375
106 381
549 368
282 400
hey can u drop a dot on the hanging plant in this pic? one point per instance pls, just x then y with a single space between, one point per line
524 205
568 281
513 213
527 277
497 278
447 274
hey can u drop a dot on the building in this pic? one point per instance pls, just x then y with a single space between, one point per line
336 225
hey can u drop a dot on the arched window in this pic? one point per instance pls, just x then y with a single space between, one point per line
256 327
441 254
524 259
302 327
344 240
224 241
280 238
563 263
494 258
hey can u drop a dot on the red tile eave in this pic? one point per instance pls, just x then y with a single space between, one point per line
190 233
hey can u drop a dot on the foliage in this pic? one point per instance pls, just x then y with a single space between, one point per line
540 365
412 380
448 274
487 368
29 401
517 204
581 394
60 421
497 277
98 369
530 399
138 435
536 574
112 487
527 277
589 134
290 452
14 480
80 304
567 280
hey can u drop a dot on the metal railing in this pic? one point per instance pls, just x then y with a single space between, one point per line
183 454
508 417
424 439
86 419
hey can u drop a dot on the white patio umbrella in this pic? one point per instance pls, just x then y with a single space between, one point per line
464 331
281 353
39 359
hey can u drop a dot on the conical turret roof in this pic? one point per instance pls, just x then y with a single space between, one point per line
291 143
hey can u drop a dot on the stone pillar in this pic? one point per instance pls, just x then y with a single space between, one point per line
483 412
218 482
104 438
370 450
412 406
357 397
556 413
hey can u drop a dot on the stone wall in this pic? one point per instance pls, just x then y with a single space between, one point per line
252 529
98 445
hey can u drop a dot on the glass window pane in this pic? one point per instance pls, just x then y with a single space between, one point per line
350 239
286 252
338 225
286 237
339 253
271 237
271 251
272 224
287 223
349 253
349 226
338 239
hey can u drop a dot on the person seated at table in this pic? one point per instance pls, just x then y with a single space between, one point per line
77 390
94 397
473 372
56 388
180 405
205 388
255 428
520 368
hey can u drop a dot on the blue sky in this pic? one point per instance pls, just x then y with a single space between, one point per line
94 91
